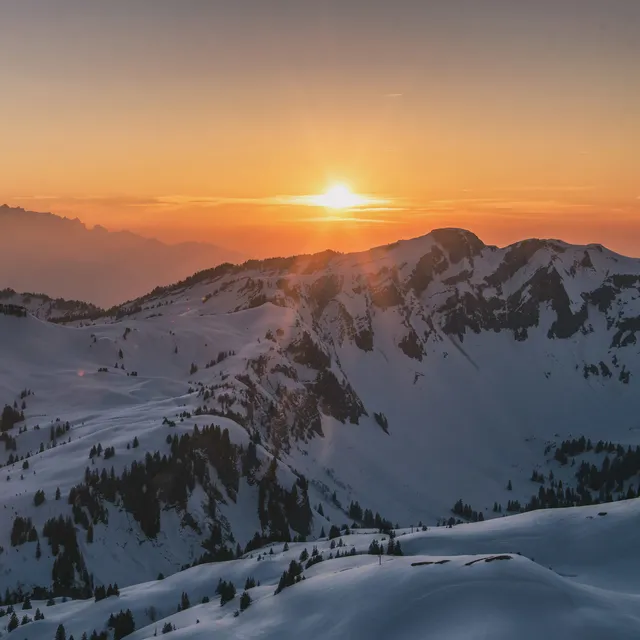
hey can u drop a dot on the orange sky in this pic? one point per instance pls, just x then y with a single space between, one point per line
198 121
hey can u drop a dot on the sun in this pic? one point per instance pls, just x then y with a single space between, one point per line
340 196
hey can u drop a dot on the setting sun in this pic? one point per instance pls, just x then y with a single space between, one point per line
339 196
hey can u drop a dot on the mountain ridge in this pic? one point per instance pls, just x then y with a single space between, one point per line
67 259
425 380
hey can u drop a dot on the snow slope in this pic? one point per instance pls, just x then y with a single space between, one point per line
465 582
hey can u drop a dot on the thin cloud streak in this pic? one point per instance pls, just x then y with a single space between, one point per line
348 219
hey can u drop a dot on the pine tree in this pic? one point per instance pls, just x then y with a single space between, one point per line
58 493
245 601
227 592
38 551
334 532
61 633
14 622
27 603
509 486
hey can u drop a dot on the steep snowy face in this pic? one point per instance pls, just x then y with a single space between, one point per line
447 283
278 398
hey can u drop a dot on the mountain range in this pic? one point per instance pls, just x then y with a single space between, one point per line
437 391
61 257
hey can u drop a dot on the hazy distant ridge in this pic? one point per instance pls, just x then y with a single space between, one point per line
64 258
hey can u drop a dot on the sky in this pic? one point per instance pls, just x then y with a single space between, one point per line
218 120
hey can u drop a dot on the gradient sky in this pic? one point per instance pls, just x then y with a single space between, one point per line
197 119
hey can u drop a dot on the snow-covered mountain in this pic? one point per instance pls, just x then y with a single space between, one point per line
43 307
277 399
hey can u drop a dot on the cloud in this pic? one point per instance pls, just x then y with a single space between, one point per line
569 188
393 95
364 202
37 197
352 219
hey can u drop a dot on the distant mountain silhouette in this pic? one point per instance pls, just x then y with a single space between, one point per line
64 258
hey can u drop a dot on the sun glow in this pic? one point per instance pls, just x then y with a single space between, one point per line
339 196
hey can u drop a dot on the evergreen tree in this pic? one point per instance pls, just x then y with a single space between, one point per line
509 486
122 624
334 532
61 633
227 593
27 603
14 622
245 601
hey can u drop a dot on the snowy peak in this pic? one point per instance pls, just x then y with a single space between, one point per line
447 282
274 400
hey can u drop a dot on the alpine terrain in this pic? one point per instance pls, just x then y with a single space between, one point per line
434 438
